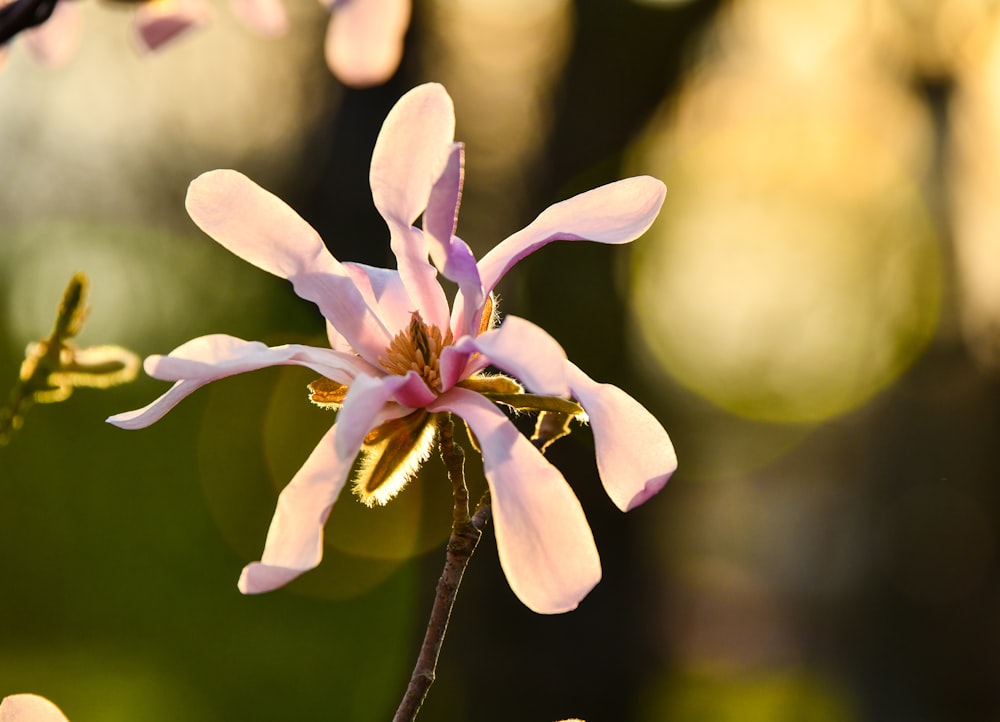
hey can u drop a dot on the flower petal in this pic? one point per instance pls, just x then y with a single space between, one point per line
635 457
208 358
263 230
545 545
295 538
384 291
267 17
441 215
615 213
364 41
526 351
29 708
368 397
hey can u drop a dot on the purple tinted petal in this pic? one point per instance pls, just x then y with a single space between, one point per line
545 545
29 708
462 268
385 292
263 230
267 17
526 351
441 215
295 539
615 213
635 457
364 41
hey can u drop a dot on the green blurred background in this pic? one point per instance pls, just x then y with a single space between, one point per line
814 319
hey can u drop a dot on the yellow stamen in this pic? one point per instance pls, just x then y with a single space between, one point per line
417 348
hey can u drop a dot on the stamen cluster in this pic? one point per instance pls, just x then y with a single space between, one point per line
417 348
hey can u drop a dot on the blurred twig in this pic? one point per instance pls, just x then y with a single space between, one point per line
54 367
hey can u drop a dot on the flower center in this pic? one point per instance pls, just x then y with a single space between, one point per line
417 348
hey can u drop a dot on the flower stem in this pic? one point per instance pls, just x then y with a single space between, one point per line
465 534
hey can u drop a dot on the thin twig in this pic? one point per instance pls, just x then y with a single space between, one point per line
465 534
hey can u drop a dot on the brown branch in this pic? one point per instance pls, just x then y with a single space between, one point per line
465 534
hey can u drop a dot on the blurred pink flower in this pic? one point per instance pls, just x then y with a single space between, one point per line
29 708
364 41
400 356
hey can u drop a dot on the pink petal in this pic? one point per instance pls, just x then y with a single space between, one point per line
615 213
267 17
410 154
208 358
263 230
156 410
158 22
29 708
545 545
364 41
385 293
295 539
56 40
526 351
635 457
441 215
368 398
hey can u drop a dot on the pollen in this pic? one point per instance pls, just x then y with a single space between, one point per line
417 348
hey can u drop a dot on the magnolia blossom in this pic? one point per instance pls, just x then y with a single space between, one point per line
29 708
400 357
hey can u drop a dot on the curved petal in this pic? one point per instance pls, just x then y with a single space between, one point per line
526 351
263 230
295 538
411 151
364 41
385 292
441 215
156 410
219 355
267 17
29 708
545 545
368 398
635 457
615 213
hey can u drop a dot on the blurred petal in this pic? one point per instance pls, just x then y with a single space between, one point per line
545 545
364 41
263 230
635 457
295 539
157 22
615 213
525 351
267 17
29 708
56 40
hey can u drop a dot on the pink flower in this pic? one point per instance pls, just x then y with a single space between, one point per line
399 357
29 708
